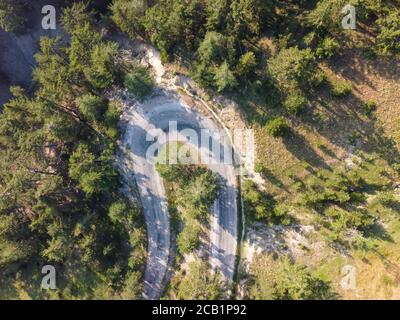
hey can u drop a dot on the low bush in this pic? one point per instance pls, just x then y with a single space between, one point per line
341 89
189 238
295 103
283 279
278 127
328 48
331 187
260 206
197 282
369 107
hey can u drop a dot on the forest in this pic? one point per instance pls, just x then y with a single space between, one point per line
60 188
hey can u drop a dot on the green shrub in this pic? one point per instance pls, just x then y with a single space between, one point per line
293 69
389 32
281 214
340 220
260 206
369 107
127 16
259 168
133 286
198 283
340 198
94 174
112 115
278 127
212 49
341 89
328 48
91 107
309 39
326 187
101 72
203 74
295 103
326 17
283 279
189 238
139 82
122 212
197 187
224 78
199 193
247 64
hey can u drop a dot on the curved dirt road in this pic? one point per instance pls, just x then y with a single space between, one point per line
156 113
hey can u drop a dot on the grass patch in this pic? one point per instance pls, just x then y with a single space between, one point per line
341 89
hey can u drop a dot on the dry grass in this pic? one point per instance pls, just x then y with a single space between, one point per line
377 80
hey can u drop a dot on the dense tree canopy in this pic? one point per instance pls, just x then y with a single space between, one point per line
219 39
128 14
57 178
